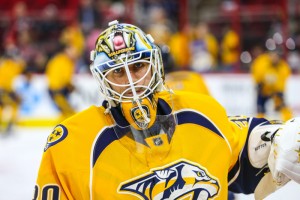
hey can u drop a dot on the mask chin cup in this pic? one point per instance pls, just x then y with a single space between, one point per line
140 114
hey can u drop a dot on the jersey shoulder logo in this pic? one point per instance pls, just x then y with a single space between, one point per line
181 179
59 133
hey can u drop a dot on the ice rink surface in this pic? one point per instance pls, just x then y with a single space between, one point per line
20 154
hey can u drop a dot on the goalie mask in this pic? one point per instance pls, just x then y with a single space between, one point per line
129 70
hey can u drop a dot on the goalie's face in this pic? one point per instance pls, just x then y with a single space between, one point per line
130 79
127 64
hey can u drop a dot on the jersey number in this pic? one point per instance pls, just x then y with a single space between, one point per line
49 192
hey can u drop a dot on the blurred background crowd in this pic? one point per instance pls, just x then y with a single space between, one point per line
206 36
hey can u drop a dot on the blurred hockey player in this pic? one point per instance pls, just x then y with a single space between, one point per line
146 142
229 49
59 72
178 79
270 73
11 66
204 49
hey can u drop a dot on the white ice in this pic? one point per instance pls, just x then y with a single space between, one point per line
20 155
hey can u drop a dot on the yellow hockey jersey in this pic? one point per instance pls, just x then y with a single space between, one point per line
186 81
84 158
270 78
229 45
59 71
179 49
9 70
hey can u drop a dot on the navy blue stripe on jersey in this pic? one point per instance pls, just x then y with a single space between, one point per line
185 117
257 121
234 170
163 107
105 138
248 176
119 117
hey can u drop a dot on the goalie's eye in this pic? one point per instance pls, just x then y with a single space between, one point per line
119 72
138 67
